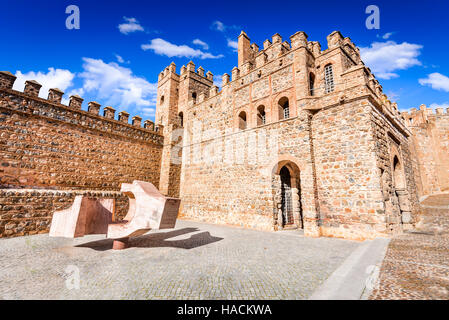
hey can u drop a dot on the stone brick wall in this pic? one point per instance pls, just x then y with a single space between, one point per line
51 152
49 145
347 180
430 149
29 211
232 184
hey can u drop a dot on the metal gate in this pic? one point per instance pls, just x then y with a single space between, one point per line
286 190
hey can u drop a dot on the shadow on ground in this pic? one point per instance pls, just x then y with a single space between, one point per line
157 240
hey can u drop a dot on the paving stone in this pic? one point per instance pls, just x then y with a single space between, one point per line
193 261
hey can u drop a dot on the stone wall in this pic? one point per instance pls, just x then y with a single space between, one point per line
228 179
430 150
347 181
51 152
49 145
29 211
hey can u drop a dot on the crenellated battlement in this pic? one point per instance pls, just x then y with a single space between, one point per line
185 71
416 117
294 64
29 101
428 111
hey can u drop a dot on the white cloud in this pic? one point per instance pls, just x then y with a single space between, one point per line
148 112
440 105
220 26
165 48
437 81
386 36
393 96
116 85
108 83
131 25
233 44
121 60
384 58
73 92
200 43
218 80
54 78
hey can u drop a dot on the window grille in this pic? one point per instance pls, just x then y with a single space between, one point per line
329 79
286 112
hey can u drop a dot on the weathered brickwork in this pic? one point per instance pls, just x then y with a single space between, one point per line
299 138
430 148
49 145
51 152
29 211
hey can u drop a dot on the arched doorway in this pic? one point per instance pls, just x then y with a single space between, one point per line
287 210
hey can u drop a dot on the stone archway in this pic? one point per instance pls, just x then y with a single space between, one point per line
286 184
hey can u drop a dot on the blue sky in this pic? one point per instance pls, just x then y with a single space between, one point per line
121 46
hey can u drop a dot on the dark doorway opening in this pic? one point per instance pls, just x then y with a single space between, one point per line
286 191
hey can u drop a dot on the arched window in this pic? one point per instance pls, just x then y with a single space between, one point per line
162 100
311 83
261 116
181 119
242 120
284 108
329 79
194 97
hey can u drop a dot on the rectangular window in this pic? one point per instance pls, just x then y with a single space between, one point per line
329 79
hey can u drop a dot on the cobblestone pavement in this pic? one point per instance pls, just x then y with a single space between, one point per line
192 261
416 265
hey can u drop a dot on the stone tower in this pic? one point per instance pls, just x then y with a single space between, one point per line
176 93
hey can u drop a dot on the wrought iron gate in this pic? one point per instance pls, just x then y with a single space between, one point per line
287 207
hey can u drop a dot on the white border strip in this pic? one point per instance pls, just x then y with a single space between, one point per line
357 276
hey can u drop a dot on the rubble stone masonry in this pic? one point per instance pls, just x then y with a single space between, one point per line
49 146
430 148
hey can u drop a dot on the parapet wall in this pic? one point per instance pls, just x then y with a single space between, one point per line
45 144
29 211
430 134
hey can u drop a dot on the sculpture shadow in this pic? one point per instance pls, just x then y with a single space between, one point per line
159 240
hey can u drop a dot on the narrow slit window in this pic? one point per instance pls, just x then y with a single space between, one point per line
261 116
312 83
181 119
